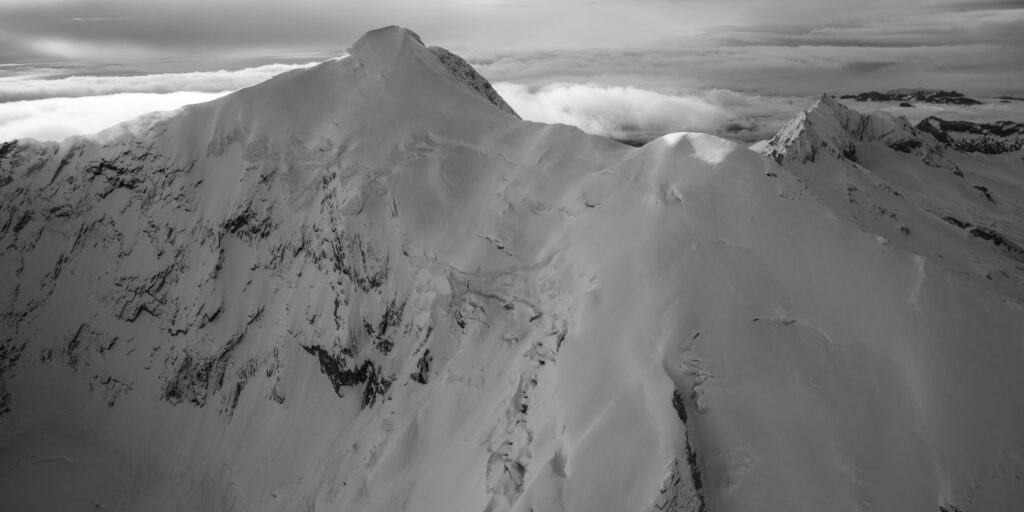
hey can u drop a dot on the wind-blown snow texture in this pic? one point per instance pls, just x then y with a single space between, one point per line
362 286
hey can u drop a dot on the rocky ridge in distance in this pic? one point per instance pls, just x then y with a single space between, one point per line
915 95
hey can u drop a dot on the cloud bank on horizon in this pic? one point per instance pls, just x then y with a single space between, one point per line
628 69
44 107
637 115
39 85
58 118
779 46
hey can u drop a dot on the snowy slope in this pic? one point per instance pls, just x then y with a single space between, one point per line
366 286
926 197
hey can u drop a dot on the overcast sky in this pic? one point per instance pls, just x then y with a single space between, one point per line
713 56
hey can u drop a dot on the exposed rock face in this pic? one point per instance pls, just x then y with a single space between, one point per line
294 280
919 95
366 286
463 73
942 159
830 127
990 138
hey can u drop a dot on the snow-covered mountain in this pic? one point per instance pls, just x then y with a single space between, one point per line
370 286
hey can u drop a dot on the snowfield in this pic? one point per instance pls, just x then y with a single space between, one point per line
369 286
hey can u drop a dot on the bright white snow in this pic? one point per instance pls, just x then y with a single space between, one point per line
364 287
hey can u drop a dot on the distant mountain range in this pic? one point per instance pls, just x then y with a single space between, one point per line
991 138
915 95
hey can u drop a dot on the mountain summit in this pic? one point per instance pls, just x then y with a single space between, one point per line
830 127
368 285
388 76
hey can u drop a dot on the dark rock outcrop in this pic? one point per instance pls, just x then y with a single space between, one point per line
991 138
920 95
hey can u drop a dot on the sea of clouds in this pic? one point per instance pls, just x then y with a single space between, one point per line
634 106
46 108
739 69
38 106
58 118
637 115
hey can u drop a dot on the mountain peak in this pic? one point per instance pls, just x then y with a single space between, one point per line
387 35
821 127
388 74
833 128
829 101
383 46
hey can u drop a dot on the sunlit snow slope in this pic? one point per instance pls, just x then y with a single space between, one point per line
369 286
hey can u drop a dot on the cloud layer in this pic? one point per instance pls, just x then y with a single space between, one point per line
58 118
984 35
37 105
624 113
976 46
627 69
619 112
38 85
637 115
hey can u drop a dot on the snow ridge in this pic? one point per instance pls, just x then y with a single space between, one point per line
461 72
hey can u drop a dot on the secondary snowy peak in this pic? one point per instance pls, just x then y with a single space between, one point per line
829 127
799 140
914 186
